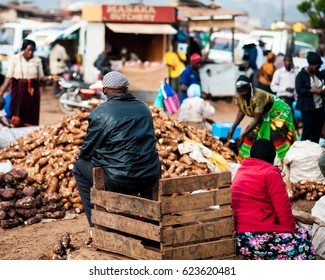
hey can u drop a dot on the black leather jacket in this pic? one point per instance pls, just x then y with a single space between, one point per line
120 138
305 100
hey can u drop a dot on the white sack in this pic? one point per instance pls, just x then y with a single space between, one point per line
301 162
8 135
318 210
5 166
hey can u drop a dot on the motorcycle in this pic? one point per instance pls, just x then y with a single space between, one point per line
78 95
73 73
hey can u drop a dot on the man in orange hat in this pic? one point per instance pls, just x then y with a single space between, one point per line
190 75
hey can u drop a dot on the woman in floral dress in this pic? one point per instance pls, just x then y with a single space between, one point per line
265 226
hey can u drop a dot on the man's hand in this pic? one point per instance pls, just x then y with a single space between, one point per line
289 89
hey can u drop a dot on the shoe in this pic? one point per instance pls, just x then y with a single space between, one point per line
90 238
89 241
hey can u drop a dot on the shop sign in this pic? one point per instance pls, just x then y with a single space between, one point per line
137 13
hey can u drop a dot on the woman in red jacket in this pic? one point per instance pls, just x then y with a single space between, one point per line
265 226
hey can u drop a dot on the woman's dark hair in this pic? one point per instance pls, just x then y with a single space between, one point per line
26 43
263 149
314 58
243 82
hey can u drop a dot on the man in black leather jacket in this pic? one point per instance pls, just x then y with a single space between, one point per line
120 138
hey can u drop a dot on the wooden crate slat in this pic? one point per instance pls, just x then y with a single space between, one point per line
125 224
202 250
230 257
192 183
168 219
122 203
123 245
98 178
198 232
200 200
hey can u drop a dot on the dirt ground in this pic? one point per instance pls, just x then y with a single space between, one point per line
35 242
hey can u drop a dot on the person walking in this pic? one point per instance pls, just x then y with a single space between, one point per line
103 61
283 81
190 75
58 58
311 98
176 61
256 60
121 139
265 74
24 73
193 46
272 119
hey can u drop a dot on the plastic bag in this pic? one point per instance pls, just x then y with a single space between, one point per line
159 101
171 104
302 165
201 153
167 98
5 166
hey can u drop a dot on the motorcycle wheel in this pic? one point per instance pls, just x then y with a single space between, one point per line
65 108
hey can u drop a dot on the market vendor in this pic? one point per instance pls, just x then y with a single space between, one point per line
120 138
272 119
195 111
264 223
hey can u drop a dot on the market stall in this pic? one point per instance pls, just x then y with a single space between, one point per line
143 30
217 78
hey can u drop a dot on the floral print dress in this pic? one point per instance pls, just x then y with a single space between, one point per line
275 246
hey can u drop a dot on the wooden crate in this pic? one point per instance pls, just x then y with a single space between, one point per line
191 219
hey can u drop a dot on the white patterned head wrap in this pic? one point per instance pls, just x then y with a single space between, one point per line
115 79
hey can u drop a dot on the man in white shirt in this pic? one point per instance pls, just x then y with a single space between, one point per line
58 58
283 82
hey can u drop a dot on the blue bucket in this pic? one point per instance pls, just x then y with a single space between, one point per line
296 113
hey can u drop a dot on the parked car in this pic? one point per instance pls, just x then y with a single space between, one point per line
12 35
220 47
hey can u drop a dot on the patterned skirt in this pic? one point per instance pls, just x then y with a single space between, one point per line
277 126
275 246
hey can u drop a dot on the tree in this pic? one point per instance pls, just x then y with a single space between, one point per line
315 10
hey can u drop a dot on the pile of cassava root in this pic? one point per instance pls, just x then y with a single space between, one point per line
22 203
305 189
48 154
170 133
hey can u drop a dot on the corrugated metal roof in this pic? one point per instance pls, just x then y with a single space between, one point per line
191 12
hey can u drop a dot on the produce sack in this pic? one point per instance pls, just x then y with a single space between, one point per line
8 135
301 162
318 230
